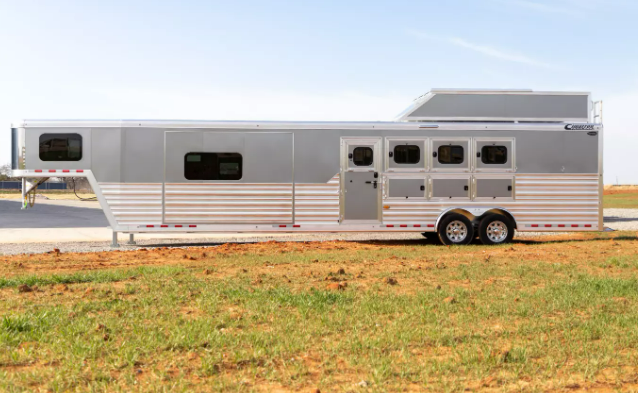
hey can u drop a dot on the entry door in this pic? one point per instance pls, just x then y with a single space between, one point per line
361 185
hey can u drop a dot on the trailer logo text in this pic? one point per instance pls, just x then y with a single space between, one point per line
579 127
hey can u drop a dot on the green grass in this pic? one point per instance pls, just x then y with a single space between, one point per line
97 276
621 200
544 321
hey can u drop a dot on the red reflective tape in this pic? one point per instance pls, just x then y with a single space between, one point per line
574 225
192 226
282 226
534 225
178 226
403 226
80 170
561 225
417 225
164 226
38 170
430 225
150 226
390 226
65 171
51 170
587 225
296 226
548 225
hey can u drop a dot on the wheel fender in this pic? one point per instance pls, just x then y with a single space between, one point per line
462 210
473 212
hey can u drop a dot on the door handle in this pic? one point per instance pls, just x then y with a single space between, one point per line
374 183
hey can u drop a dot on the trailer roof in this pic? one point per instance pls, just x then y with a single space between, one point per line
292 125
499 105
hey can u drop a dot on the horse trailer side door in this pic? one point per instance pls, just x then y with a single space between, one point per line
361 183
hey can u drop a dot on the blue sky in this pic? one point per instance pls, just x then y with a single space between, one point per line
293 60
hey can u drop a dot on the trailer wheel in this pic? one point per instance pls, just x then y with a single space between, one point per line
496 229
456 229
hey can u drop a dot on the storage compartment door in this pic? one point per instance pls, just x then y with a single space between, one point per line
451 188
406 188
493 188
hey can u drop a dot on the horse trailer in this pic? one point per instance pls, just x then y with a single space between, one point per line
464 164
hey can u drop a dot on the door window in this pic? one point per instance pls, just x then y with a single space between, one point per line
362 156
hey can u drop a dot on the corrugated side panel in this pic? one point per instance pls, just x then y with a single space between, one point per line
209 203
556 200
134 203
540 200
317 203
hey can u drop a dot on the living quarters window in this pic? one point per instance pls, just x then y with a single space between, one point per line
213 166
407 154
362 156
60 147
494 154
451 154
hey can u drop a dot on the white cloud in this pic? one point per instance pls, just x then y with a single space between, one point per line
499 54
485 50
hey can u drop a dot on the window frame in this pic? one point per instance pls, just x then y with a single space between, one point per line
60 134
508 167
217 165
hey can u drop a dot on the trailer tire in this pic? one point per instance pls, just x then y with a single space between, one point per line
455 229
496 229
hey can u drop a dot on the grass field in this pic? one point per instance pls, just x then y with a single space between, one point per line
621 198
552 315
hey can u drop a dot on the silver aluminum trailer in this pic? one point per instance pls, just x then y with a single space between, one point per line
463 163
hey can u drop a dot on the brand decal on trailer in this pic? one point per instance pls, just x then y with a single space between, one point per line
579 127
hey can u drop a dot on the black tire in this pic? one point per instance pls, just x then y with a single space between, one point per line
491 229
455 229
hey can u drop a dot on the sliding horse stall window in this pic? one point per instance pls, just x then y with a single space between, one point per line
451 154
495 155
407 154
